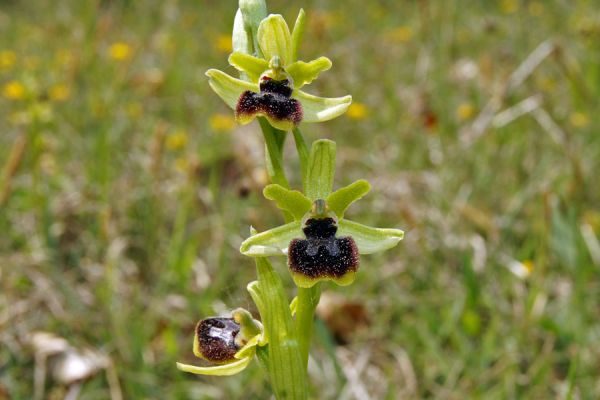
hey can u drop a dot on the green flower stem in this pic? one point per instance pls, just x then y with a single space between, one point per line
284 362
308 299
303 155
274 153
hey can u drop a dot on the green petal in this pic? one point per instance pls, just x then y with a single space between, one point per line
292 201
304 73
321 169
319 109
273 242
251 65
341 199
217 370
227 87
369 240
298 33
275 40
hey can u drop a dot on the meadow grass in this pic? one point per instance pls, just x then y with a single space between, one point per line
126 189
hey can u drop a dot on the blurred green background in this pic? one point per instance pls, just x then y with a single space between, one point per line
127 187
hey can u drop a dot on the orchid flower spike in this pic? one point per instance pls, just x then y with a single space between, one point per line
273 78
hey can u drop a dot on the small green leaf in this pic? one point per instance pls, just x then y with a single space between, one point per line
227 87
304 73
320 109
369 240
321 169
275 39
292 201
298 33
217 370
273 242
251 65
341 199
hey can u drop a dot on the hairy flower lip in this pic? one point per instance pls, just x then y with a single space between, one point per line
322 255
215 339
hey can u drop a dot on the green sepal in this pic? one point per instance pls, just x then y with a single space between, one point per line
227 87
321 169
341 199
273 242
304 73
368 239
275 40
321 109
284 362
298 33
291 201
253 66
217 370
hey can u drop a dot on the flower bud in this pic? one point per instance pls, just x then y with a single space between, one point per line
253 11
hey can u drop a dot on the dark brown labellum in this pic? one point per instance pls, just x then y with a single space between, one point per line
274 101
322 254
216 339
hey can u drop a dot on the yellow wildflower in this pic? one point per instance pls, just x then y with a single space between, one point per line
521 269
7 59
465 111
14 90
579 119
182 164
59 92
134 109
222 122
528 264
177 140
119 51
401 34
64 57
357 111
509 6
223 44
536 8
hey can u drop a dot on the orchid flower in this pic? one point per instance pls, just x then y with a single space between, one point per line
320 243
274 78
229 343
